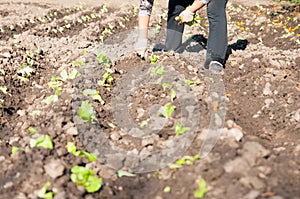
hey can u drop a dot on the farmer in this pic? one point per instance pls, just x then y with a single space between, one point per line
217 38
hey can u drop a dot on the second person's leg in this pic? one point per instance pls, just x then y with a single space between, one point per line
175 31
217 39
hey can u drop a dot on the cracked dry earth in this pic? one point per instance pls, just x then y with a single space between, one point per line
256 156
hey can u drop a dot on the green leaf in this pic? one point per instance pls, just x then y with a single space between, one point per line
190 82
153 59
173 94
167 189
71 148
166 110
50 99
200 193
94 94
174 166
179 129
185 160
158 70
78 63
102 58
165 85
1 101
73 74
42 141
86 112
143 123
85 177
4 90
124 173
32 130
43 192
14 150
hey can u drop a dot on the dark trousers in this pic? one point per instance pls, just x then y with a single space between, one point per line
217 38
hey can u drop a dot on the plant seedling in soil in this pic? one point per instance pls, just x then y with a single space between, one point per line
179 129
42 141
94 94
153 59
190 82
103 59
124 173
167 189
185 160
1 101
72 149
200 193
79 63
50 99
166 85
166 110
143 123
86 112
158 70
14 150
32 130
4 90
82 176
43 192
172 94
107 79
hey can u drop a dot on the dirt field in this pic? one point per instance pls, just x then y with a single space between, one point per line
49 54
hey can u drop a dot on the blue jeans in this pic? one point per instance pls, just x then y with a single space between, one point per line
217 38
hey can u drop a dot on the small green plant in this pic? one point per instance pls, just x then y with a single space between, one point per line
166 110
143 123
190 82
42 141
14 150
43 192
107 79
32 130
4 90
166 85
86 112
179 129
50 99
72 149
158 70
103 59
153 59
1 101
173 94
94 94
121 173
200 193
185 160
167 189
82 176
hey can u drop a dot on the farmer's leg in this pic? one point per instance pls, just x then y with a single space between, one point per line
174 31
217 38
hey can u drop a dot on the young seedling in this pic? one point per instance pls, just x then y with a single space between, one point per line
82 176
143 123
32 130
179 129
153 59
121 173
43 193
200 193
103 59
185 160
190 82
167 189
158 70
3 89
107 79
14 150
94 94
72 149
172 94
42 141
166 110
86 112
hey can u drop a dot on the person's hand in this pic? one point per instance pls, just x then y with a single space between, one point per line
185 16
141 47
